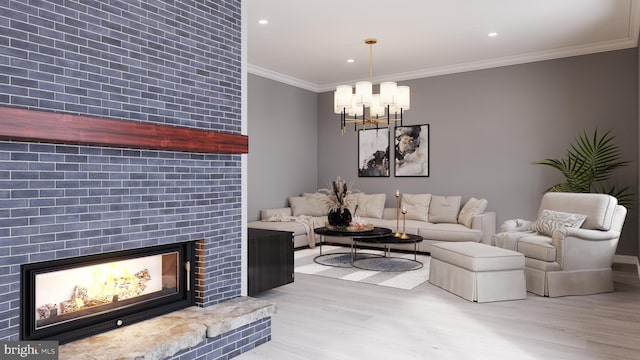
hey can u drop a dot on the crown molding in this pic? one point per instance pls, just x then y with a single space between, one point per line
625 43
500 62
286 79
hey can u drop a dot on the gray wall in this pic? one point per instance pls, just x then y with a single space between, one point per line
283 149
487 126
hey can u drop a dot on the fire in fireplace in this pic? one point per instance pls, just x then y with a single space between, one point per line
72 298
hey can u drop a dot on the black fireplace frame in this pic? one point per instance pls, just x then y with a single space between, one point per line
80 328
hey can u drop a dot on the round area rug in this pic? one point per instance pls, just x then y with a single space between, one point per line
305 263
342 260
387 264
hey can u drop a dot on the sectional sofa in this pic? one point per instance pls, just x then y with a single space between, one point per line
435 218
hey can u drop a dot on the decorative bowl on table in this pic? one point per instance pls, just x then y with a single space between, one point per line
352 227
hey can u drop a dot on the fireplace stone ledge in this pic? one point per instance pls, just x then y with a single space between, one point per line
166 335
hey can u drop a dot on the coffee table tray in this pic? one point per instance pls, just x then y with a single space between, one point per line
350 229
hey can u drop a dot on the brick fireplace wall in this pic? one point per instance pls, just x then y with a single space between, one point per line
170 62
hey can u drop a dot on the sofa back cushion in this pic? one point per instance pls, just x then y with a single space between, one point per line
417 206
321 200
370 205
307 205
444 209
598 208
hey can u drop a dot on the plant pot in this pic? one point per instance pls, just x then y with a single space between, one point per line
338 217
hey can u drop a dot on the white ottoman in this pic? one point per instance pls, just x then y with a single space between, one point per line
478 272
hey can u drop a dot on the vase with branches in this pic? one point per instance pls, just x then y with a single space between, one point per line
588 164
339 199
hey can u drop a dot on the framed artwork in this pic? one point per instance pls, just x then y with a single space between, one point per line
373 153
412 150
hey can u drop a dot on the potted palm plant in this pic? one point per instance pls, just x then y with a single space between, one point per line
588 164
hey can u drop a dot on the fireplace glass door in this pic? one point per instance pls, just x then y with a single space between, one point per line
76 295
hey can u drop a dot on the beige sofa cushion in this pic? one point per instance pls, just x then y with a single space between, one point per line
371 205
306 205
447 232
444 209
321 199
470 209
417 206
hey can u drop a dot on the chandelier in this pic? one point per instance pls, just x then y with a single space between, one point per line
386 107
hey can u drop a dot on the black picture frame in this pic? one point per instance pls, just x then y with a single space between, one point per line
411 151
373 153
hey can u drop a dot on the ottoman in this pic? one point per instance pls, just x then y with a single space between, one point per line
478 272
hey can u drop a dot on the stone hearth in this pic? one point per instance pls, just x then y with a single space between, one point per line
170 334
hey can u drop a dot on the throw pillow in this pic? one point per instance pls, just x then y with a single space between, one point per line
470 209
550 221
417 206
370 205
444 209
306 205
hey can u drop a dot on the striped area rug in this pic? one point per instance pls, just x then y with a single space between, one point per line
303 263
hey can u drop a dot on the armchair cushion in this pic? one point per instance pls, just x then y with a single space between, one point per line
599 208
537 247
549 221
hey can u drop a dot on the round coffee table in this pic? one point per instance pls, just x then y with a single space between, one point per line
387 262
344 259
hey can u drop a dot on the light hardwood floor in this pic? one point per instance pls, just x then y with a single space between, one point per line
322 318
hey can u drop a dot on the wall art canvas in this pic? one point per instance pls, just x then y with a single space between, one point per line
412 150
373 153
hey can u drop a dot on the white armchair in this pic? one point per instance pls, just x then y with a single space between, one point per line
567 253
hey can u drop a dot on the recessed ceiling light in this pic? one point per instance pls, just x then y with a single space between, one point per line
263 21
350 60
493 34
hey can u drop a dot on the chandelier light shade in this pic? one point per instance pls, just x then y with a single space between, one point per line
403 95
343 98
388 92
376 109
387 107
364 93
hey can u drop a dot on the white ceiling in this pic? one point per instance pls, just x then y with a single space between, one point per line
307 42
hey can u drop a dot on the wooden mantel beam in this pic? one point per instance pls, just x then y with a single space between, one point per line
60 128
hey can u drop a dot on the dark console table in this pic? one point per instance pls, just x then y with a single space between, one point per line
270 259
